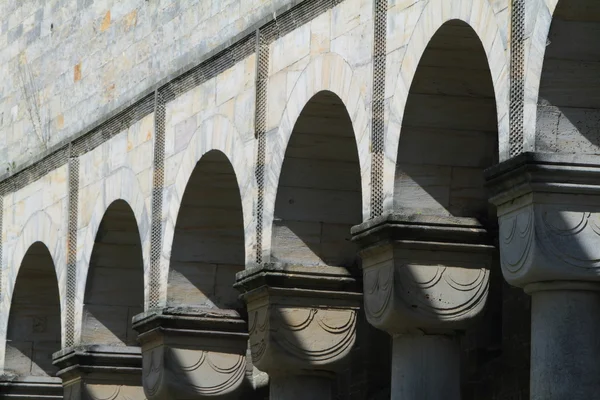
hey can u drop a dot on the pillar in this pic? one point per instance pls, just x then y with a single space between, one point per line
302 325
425 279
549 225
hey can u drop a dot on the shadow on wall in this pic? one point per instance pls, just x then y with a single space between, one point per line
568 116
208 245
319 191
34 321
115 282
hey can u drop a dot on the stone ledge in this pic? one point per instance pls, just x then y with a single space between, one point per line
429 230
30 387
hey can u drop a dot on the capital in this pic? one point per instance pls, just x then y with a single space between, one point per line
549 217
302 319
423 273
192 353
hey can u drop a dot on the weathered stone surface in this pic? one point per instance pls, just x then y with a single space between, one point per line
24 388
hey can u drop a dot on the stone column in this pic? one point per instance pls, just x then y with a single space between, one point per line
193 353
92 372
424 278
549 217
302 325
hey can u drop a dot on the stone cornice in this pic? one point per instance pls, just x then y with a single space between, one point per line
543 173
74 361
426 231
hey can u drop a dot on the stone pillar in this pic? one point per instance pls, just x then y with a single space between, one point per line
424 278
302 325
91 372
549 228
193 353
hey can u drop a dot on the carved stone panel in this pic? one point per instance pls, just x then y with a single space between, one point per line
193 353
295 326
424 274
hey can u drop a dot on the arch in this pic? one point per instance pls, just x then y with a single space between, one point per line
35 314
215 133
114 289
123 185
319 189
326 72
38 228
562 101
208 243
450 130
479 15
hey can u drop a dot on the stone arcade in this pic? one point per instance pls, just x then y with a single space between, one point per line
287 199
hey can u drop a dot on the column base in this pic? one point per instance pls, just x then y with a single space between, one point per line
425 367
30 387
90 372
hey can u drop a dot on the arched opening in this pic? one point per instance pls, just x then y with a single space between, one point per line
114 290
450 130
34 327
208 244
318 201
449 137
568 112
319 191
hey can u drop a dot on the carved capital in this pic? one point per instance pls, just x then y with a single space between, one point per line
423 273
549 217
99 372
192 353
302 320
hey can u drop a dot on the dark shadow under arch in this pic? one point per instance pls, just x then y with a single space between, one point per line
319 190
114 290
34 326
208 243
568 112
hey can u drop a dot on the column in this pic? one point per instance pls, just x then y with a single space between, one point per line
549 216
425 278
302 325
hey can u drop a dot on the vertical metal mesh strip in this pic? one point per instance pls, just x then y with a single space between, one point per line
73 199
262 72
517 76
157 200
378 127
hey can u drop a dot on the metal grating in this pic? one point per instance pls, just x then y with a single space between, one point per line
157 199
73 200
378 118
517 77
260 121
113 126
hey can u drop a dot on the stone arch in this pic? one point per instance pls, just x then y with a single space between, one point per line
561 103
327 72
319 188
32 304
123 185
114 280
217 133
38 228
479 15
